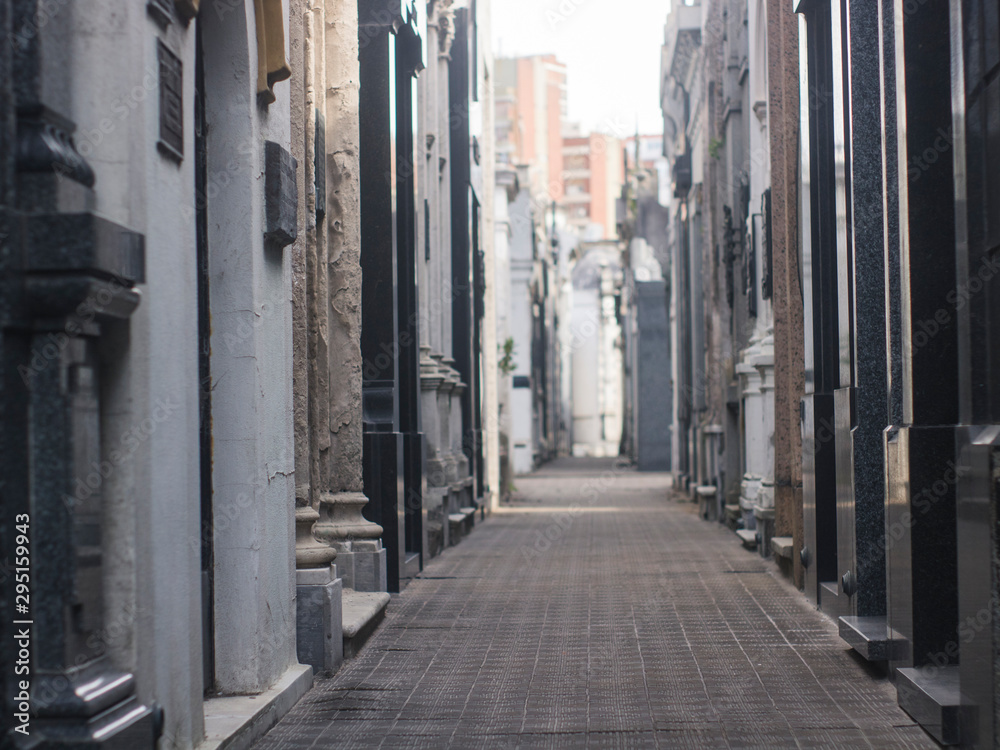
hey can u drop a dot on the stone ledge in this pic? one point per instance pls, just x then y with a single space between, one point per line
362 613
763 514
871 637
237 722
460 525
782 546
934 702
748 537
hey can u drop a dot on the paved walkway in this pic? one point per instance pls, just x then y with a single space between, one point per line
624 622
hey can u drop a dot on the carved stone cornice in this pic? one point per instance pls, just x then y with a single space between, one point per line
443 19
430 373
45 144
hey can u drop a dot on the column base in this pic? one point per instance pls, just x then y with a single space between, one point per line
131 727
319 619
764 518
363 565
93 708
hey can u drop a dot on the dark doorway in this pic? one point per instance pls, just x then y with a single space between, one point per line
204 369
479 311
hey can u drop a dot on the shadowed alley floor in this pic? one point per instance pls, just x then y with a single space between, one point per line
594 612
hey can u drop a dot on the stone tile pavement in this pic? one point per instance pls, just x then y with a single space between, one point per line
594 612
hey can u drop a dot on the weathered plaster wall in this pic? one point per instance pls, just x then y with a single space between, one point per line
251 361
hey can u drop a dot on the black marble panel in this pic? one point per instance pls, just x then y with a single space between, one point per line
978 451
281 196
171 70
819 499
869 409
921 547
384 485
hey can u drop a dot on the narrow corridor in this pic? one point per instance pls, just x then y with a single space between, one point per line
594 611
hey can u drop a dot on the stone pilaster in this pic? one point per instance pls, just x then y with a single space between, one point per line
431 381
753 414
319 621
341 524
764 505
783 147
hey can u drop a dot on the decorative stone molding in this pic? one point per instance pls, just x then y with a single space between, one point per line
271 64
45 145
431 376
309 552
760 110
444 20
340 520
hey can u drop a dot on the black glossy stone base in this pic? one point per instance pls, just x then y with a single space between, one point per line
384 485
921 552
91 708
127 726
933 699
869 636
416 515
978 451
819 500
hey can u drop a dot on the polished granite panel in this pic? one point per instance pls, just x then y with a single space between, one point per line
921 544
844 456
819 493
869 409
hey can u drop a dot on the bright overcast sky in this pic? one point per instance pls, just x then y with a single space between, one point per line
611 49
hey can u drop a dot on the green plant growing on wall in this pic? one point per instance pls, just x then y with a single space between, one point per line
715 147
507 364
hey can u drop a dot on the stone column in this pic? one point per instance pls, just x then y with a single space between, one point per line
764 506
783 137
431 379
341 525
753 415
319 622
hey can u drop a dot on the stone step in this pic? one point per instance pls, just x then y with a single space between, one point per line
460 524
782 546
362 613
748 537
871 637
933 699
236 722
